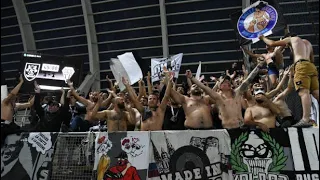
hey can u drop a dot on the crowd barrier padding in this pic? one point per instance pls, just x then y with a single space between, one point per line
282 154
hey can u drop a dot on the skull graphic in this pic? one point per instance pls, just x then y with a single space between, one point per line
132 146
256 155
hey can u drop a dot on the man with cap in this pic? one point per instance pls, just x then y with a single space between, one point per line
229 101
263 113
52 116
123 170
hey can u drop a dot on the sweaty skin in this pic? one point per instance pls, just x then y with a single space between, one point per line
229 102
196 107
302 50
117 118
155 122
262 114
8 105
89 103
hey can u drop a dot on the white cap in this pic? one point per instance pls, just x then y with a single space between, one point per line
259 91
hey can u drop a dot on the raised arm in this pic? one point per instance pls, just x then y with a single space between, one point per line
149 84
132 96
26 105
101 114
289 88
111 84
62 98
284 79
84 101
250 53
131 114
214 95
142 89
270 42
244 85
14 91
37 104
106 103
165 99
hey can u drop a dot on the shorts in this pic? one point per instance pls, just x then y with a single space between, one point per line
272 69
305 76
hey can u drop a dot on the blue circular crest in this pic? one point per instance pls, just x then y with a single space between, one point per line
254 22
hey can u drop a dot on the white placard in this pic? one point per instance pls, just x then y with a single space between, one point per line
131 66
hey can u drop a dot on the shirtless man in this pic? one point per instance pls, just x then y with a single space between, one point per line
274 60
196 107
306 74
90 104
9 105
152 115
117 118
229 101
263 113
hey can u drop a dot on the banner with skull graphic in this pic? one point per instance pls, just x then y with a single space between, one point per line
189 155
276 155
121 155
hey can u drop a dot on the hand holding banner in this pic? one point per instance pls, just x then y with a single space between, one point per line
173 63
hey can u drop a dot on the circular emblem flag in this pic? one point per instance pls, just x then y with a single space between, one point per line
257 20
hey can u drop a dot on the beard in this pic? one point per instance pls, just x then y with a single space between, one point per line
259 101
196 92
121 106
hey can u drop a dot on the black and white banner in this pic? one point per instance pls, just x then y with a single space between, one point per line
285 154
173 63
27 156
189 155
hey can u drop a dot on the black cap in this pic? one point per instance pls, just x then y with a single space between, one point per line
53 103
122 155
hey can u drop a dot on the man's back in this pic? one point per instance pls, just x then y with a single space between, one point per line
301 48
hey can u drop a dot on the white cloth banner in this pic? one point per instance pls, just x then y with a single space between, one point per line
173 63
101 148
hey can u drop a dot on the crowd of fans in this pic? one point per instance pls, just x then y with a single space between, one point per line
238 99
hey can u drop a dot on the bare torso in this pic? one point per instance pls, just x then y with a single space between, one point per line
117 121
263 115
230 112
153 123
301 48
282 105
89 108
198 113
7 111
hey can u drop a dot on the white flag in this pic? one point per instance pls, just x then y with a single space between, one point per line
198 71
173 63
